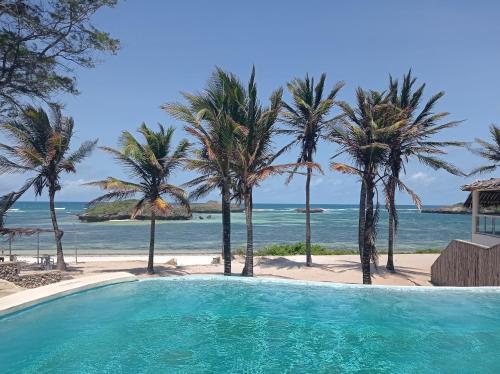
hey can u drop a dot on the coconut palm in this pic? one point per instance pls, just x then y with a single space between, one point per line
364 135
307 121
489 151
253 154
209 118
150 164
41 148
413 141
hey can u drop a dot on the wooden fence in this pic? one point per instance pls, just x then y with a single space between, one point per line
465 264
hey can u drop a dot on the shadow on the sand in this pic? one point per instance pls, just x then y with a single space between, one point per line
345 265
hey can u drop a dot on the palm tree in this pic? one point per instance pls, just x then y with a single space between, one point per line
253 154
209 118
364 135
307 120
151 164
40 147
489 151
413 141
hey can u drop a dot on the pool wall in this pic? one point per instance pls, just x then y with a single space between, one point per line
27 298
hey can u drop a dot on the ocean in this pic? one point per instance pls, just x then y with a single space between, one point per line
335 228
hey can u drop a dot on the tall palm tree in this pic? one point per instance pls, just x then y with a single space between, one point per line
254 155
151 164
209 118
307 120
364 135
489 151
413 141
41 147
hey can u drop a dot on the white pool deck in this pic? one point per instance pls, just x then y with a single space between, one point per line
24 299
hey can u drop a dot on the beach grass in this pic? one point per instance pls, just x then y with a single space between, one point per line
287 249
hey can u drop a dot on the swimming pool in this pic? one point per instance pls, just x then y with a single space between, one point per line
219 325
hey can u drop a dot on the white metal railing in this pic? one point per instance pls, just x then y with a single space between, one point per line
488 224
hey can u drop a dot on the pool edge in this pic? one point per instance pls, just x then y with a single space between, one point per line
24 299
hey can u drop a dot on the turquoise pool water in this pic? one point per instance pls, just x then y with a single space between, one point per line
230 326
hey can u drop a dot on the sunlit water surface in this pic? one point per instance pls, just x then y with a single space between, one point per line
232 326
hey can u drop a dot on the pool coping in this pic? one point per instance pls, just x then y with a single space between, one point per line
30 297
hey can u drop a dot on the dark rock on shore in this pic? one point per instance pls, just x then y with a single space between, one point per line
313 210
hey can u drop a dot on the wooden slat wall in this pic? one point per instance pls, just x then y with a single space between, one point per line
465 264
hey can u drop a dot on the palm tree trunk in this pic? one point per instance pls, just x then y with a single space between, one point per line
392 228
151 269
390 252
58 234
369 232
361 219
308 218
226 228
248 269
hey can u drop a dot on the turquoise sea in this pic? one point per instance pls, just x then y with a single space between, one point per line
274 223
215 325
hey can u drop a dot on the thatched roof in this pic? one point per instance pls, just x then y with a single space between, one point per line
486 199
492 184
18 231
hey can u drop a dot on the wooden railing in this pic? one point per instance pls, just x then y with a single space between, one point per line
466 264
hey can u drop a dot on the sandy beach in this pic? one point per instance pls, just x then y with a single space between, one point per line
412 269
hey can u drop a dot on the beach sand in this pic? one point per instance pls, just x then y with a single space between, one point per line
411 269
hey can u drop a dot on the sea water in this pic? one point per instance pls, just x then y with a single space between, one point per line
334 228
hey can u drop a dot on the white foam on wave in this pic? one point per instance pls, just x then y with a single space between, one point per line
15 210
60 208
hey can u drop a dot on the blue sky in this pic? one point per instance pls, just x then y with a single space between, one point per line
168 47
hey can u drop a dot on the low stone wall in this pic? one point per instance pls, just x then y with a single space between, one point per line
9 271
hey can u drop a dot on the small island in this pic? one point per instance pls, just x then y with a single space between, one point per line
459 208
312 210
122 210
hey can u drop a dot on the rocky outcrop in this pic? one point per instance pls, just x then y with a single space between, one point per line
122 210
10 271
313 210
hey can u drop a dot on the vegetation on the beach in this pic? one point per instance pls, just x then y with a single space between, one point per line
489 151
255 155
365 136
209 118
234 152
41 148
41 42
293 249
151 165
413 141
307 121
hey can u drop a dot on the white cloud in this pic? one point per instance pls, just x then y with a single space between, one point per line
421 178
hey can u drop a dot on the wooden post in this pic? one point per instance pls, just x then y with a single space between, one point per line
38 247
475 211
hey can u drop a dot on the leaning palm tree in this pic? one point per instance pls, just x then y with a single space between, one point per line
209 117
307 120
489 151
364 135
41 147
253 154
413 141
151 164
